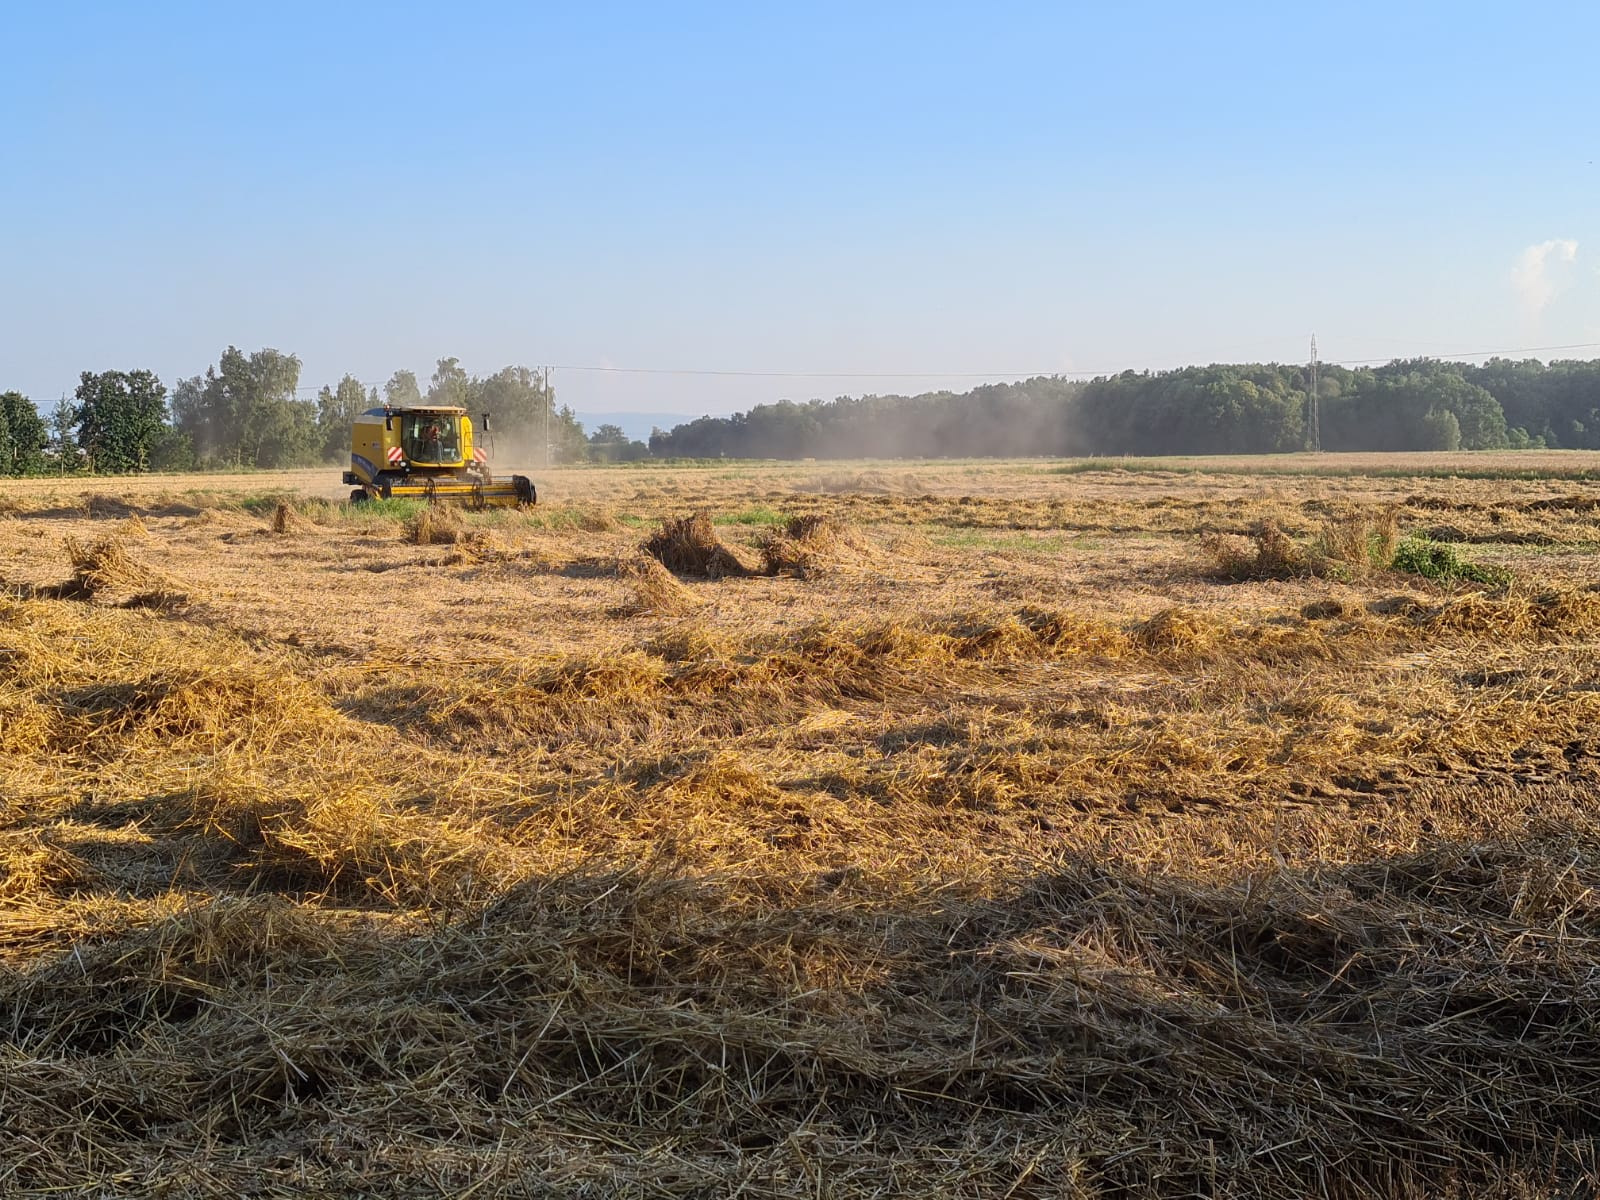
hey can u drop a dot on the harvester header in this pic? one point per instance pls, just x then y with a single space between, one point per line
427 452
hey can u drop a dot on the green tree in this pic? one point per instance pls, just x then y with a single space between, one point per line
402 391
279 430
1441 430
1402 406
337 409
173 451
567 440
610 443
26 435
1557 404
192 415
450 384
120 416
282 433
521 411
29 434
64 436
514 399
245 411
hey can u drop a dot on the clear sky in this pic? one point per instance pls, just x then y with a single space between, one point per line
941 189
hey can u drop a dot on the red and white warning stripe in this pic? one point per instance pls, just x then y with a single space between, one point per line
395 455
477 453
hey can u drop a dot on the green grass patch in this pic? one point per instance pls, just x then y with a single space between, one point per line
323 512
758 514
1439 561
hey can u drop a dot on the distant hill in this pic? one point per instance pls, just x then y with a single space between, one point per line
635 424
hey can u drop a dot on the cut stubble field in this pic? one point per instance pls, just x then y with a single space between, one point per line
968 829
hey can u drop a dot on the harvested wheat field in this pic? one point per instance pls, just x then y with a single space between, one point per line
975 829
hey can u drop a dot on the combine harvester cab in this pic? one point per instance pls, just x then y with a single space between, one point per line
427 453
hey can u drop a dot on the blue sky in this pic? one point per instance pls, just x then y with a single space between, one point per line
946 190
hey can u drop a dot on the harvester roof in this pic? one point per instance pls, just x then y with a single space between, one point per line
401 410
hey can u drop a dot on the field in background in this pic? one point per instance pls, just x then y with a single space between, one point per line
995 845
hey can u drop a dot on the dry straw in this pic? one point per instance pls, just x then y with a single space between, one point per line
1021 901
653 588
436 525
288 519
104 568
690 546
1349 545
813 543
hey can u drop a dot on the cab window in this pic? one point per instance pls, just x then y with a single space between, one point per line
431 438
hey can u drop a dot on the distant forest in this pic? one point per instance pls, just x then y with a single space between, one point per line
1409 404
249 411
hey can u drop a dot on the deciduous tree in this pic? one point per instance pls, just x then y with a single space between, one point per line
121 414
402 391
245 411
26 435
337 409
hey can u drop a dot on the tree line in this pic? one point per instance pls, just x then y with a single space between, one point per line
1250 408
247 411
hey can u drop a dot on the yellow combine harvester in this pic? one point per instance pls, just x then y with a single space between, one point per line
426 453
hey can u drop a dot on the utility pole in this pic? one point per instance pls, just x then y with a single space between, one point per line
1316 402
546 389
